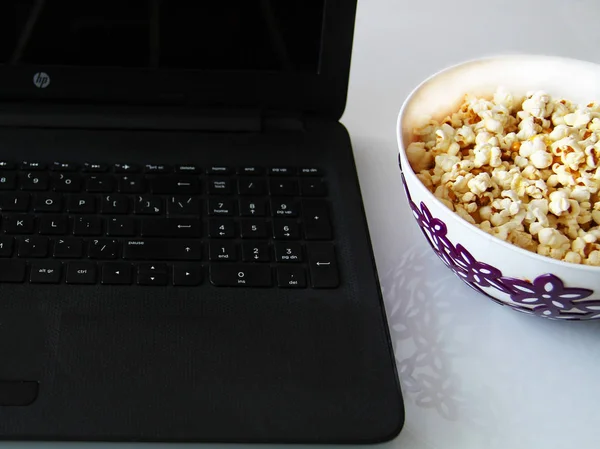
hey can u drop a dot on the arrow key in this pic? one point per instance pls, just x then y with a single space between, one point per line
116 273
152 279
152 268
187 274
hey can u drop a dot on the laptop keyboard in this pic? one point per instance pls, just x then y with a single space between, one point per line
161 225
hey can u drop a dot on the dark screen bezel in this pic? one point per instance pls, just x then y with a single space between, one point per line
323 93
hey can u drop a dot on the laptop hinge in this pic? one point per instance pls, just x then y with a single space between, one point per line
280 121
132 118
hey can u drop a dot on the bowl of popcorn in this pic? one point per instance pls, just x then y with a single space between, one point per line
500 160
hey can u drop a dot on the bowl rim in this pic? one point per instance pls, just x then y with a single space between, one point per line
410 172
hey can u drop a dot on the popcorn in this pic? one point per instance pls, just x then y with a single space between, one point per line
559 203
525 170
577 119
538 105
541 159
480 183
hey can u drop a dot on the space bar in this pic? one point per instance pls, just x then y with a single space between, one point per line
162 249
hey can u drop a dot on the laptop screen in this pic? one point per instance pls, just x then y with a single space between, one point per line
219 35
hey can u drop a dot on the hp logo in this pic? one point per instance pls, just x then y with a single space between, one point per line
41 80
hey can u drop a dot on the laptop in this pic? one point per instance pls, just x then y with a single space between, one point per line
184 254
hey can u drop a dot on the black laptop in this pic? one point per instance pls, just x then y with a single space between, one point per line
184 254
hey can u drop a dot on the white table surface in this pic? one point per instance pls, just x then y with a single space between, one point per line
474 375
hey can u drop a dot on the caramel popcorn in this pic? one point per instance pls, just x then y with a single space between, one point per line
525 170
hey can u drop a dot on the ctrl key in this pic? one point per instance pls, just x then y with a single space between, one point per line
81 273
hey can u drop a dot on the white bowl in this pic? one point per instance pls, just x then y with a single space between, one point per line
505 273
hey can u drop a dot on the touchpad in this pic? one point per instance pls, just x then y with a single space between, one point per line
18 393
22 355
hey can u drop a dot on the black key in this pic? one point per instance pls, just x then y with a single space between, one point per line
81 273
121 227
6 246
152 279
317 225
310 171
284 208
152 268
7 165
33 165
32 247
187 274
282 171
127 168
148 205
253 229
288 252
256 252
12 270
224 251
34 181
220 186
322 265
85 225
291 277
187 168
252 186
116 273
19 224
221 228
81 204
218 170
313 187
183 205
162 249
103 249
114 204
220 207
251 171
240 275
157 168
93 167
286 229
8 181
64 166
68 248
14 202
99 184
132 184
66 182
176 184
250 207
45 272
171 227
283 187
47 202
54 225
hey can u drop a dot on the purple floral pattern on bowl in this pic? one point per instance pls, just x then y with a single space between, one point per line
545 296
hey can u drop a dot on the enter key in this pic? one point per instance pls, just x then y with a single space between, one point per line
323 265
